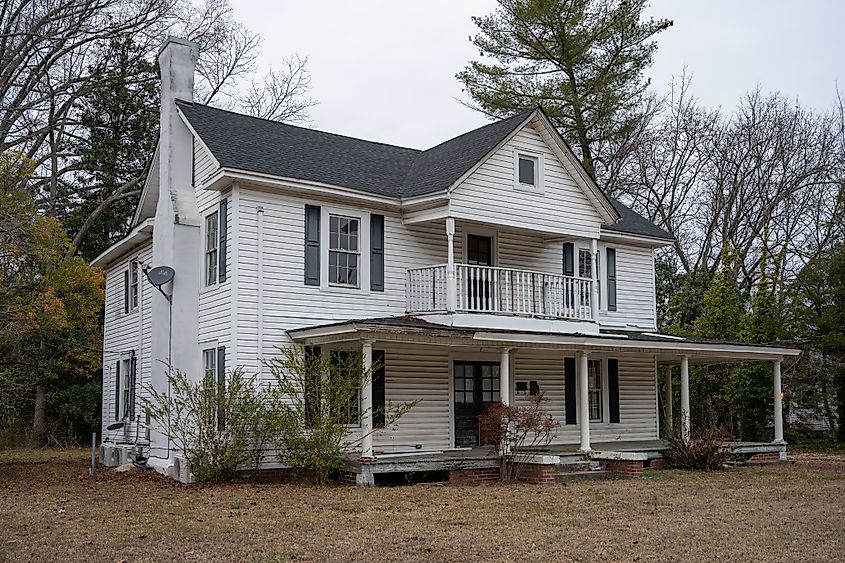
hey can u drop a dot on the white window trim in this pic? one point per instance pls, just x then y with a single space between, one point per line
482 232
363 249
204 285
125 382
136 261
539 184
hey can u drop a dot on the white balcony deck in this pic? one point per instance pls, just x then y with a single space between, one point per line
493 290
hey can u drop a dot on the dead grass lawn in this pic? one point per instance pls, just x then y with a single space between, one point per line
51 509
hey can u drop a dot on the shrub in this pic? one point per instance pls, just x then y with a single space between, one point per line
702 452
220 429
509 428
318 400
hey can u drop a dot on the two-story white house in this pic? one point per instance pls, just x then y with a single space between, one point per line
487 268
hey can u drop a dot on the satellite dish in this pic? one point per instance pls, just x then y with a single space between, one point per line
160 275
115 426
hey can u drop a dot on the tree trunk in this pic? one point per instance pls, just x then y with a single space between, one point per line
40 415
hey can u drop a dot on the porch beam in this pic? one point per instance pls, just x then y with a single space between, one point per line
451 283
367 401
667 398
685 410
505 376
583 408
778 403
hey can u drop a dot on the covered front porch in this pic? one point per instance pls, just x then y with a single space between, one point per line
602 389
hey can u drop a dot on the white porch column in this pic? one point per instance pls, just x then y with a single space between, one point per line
505 376
667 397
451 284
685 412
583 408
778 404
367 401
594 291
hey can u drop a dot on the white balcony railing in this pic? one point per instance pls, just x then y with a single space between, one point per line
485 289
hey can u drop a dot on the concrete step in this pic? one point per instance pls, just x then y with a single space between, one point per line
583 476
577 466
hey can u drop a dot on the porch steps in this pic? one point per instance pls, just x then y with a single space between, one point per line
571 471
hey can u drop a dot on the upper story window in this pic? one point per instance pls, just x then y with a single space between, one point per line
528 171
344 250
212 240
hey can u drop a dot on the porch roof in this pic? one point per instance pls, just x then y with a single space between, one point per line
667 348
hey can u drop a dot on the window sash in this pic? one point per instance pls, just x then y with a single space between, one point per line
344 251
595 391
527 172
133 285
212 240
209 363
126 385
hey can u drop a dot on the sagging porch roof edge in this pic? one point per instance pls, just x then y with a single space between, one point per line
666 347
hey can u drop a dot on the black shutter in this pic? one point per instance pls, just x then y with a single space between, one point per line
569 390
311 400
312 245
126 291
611 279
223 230
133 373
117 391
221 387
377 252
568 259
378 389
613 388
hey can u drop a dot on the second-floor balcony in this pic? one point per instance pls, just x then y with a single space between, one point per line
493 290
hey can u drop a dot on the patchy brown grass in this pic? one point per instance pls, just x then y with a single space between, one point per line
50 508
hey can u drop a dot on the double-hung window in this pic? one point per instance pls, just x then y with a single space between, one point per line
212 241
346 373
134 285
344 250
595 391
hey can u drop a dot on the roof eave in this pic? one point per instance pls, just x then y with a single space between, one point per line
136 237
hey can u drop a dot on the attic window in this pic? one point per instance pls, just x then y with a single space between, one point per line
527 171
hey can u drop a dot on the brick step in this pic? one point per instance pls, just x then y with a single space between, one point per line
583 476
577 466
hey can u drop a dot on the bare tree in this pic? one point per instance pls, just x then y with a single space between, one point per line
282 96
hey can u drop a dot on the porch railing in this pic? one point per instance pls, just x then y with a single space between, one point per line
486 289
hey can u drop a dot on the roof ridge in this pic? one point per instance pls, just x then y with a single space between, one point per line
312 130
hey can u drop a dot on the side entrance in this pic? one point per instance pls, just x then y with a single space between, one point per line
476 386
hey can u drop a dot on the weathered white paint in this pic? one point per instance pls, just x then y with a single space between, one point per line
685 406
367 401
778 414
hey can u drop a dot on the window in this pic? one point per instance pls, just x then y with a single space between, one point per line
594 379
126 386
347 372
209 363
527 171
585 263
134 286
213 368
212 240
344 238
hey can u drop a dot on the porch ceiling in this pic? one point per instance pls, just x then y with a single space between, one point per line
667 349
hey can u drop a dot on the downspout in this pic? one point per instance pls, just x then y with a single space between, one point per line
260 277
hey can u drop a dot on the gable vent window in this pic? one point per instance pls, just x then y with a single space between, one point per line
344 237
528 171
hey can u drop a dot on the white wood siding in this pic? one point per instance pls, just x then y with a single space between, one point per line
635 290
488 194
123 333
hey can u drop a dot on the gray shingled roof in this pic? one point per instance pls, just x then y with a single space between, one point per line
278 149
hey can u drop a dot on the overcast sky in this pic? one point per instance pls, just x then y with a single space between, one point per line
385 70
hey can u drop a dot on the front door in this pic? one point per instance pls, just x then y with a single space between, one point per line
476 386
479 253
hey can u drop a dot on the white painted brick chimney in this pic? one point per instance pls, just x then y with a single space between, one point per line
176 233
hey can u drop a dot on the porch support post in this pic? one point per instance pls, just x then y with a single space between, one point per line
582 367
778 404
451 284
367 401
594 287
685 412
667 398
505 376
